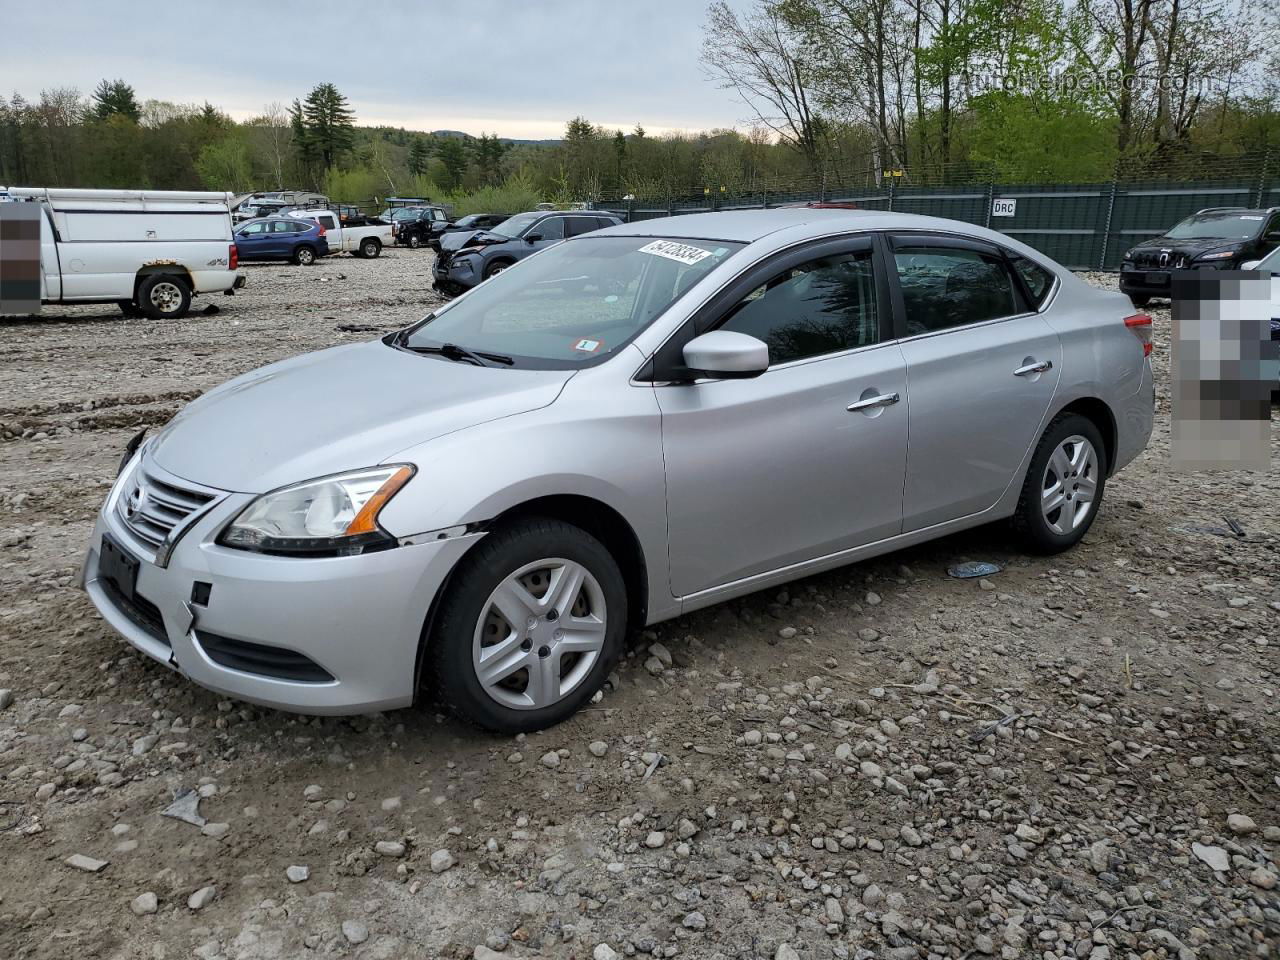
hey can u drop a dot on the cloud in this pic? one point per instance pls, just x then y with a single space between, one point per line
520 69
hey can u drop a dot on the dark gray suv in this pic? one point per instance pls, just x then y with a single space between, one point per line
492 251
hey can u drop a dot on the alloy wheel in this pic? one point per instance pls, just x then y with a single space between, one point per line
539 634
1070 485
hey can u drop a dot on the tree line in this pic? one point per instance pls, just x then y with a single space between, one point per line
847 91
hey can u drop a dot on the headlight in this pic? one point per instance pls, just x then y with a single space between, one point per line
1220 255
330 515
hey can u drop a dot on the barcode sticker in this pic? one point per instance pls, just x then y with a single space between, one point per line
680 252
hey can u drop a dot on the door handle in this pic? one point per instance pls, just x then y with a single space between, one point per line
884 400
1040 366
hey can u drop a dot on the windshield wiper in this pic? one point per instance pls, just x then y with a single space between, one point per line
451 351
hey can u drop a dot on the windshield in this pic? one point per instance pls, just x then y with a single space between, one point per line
466 221
1217 226
1271 262
574 302
516 225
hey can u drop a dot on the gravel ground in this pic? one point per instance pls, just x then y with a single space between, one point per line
1076 758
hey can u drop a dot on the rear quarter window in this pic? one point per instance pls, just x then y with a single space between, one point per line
1037 279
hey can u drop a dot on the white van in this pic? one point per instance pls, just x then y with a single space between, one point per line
145 250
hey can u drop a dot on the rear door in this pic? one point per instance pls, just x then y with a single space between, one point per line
982 368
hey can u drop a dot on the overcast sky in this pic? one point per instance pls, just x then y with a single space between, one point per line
520 68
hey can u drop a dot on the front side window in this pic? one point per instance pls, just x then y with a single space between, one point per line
946 287
574 302
823 306
551 228
255 229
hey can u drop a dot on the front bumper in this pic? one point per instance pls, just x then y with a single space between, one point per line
359 619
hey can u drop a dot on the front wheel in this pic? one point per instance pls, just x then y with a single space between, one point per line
415 241
495 268
163 297
304 256
370 248
1064 485
532 623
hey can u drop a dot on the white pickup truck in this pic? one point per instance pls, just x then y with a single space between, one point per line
145 250
366 241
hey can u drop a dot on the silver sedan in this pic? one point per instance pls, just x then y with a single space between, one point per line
623 428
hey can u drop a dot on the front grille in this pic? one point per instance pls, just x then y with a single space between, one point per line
263 660
140 610
150 508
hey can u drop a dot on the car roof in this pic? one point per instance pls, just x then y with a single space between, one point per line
747 226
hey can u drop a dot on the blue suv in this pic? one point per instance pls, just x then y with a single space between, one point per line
492 251
281 238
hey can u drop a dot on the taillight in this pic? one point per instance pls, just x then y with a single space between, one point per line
1139 325
233 257
321 230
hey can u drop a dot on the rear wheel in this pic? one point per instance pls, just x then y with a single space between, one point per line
304 256
1064 485
532 623
1139 301
164 297
370 247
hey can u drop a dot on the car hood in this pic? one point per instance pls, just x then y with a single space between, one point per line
1192 246
338 409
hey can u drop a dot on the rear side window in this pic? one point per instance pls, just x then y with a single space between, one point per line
327 223
283 226
947 287
581 225
823 306
1036 278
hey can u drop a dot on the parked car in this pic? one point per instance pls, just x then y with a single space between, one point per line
360 241
421 227
470 225
282 238
490 252
1271 264
1219 238
147 251
623 428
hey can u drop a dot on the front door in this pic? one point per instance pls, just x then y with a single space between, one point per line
982 368
776 470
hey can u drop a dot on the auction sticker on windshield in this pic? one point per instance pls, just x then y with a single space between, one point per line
680 252
588 346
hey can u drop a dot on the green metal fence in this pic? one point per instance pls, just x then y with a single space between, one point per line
1085 226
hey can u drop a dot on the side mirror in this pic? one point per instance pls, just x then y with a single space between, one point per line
1250 265
726 355
533 238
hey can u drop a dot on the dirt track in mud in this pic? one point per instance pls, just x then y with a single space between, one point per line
846 791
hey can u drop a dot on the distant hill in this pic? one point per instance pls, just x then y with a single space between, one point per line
466 136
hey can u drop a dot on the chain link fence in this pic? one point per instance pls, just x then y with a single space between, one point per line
1084 226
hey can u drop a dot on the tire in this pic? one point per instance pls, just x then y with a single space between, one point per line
493 269
1139 301
1071 445
304 256
370 247
536 682
415 241
162 296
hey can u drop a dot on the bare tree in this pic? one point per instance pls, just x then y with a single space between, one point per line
762 59
276 120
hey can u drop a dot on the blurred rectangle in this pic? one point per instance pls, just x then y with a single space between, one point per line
1224 369
20 258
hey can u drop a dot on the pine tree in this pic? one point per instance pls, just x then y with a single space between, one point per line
329 123
454 157
419 156
115 96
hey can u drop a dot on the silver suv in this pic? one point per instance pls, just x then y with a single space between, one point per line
624 427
